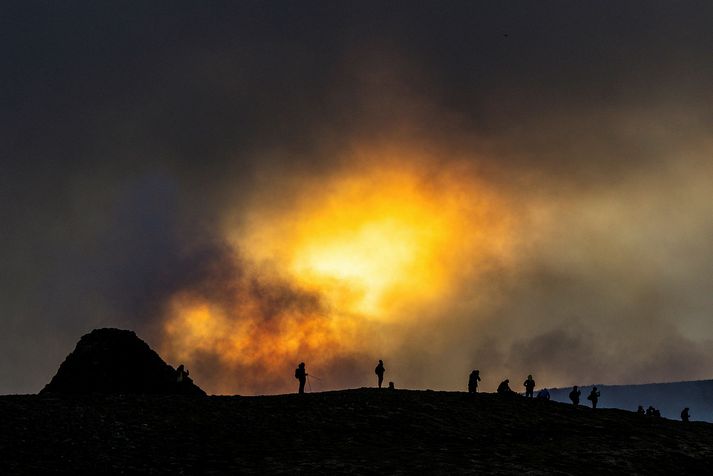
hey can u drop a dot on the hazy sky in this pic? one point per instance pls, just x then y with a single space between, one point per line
519 187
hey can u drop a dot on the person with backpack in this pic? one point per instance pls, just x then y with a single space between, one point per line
379 371
685 416
574 396
301 375
473 380
529 387
593 397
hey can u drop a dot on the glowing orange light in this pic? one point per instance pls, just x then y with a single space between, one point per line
370 244
374 240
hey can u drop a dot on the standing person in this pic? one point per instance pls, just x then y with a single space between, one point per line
379 371
301 375
529 387
182 377
473 380
574 396
593 397
685 416
181 374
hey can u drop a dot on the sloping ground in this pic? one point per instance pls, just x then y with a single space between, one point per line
116 361
354 431
669 398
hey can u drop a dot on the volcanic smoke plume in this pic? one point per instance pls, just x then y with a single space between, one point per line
521 188
354 255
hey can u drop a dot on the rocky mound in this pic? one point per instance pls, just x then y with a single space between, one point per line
116 361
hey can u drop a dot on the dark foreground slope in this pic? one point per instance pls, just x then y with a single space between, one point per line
354 431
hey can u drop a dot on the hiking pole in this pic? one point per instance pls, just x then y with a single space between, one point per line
310 384
314 376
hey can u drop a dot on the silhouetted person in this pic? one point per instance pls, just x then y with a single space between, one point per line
504 388
379 371
574 395
640 411
657 413
473 380
181 374
685 416
529 387
593 397
301 375
391 386
650 411
543 394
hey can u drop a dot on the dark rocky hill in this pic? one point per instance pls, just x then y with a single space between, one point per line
118 362
366 431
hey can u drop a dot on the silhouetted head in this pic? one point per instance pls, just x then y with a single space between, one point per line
476 371
529 377
381 361
594 388
507 381
575 387
302 364
180 368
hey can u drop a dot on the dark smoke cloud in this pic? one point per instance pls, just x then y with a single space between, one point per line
129 129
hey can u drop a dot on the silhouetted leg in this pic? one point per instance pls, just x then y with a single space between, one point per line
381 380
302 386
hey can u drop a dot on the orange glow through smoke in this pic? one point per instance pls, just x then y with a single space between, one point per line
377 240
369 243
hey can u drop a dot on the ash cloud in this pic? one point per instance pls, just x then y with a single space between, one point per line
129 132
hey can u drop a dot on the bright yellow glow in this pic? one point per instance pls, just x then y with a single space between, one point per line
369 246
374 240
372 244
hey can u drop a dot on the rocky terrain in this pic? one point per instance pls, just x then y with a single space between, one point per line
353 431
116 361
115 407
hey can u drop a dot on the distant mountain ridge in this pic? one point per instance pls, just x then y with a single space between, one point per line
670 398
